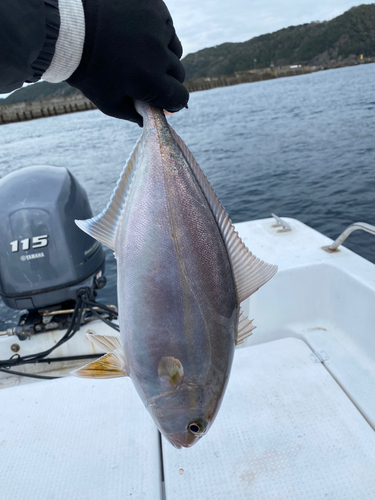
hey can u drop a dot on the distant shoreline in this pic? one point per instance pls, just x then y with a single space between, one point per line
206 83
25 111
239 77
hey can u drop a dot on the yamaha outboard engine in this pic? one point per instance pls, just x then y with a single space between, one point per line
45 259
48 266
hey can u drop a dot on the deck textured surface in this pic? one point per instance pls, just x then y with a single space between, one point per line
77 439
286 430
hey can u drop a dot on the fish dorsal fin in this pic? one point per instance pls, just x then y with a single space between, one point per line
103 227
245 328
249 272
110 365
109 343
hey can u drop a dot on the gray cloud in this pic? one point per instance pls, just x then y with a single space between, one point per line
205 23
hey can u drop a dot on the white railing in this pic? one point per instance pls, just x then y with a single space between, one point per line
363 226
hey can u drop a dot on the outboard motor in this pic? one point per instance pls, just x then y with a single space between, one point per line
45 259
48 266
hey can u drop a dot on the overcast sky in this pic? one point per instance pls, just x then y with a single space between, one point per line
205 23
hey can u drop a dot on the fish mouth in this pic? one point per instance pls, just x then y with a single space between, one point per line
185 440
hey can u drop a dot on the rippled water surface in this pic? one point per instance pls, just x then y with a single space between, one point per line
299 147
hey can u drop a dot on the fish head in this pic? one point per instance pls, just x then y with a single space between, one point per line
185 415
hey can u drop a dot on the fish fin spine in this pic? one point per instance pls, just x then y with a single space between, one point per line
108 343
103 227
249 272
245 328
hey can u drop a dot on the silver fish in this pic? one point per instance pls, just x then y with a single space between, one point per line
182 273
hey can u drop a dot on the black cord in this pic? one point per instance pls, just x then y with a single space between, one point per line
71 358
74 325
30 358
102 306
43 377
107 322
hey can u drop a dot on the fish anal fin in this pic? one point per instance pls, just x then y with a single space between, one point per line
249 272
103 227
245 328
108 366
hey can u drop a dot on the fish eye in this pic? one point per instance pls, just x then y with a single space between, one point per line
195 427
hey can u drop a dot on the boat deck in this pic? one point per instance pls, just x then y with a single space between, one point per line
297 421
286 430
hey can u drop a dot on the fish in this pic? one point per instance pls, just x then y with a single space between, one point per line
182 273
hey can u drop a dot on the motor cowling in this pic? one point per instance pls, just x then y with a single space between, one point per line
45 259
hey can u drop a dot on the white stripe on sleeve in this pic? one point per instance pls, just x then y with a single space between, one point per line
69 44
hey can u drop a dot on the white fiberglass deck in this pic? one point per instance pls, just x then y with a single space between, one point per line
77 439
286 430
326 300
297 421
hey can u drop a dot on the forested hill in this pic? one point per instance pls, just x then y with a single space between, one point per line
317 43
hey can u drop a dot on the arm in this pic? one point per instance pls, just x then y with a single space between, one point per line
28 34
114 51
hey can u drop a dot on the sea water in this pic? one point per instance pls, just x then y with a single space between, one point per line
299 147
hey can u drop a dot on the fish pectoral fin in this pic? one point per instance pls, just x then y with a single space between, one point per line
103 227
245 328
110 365
249 272
171 369
108 343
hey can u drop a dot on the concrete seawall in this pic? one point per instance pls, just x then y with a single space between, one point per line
257 75
23 111
20 112
248 77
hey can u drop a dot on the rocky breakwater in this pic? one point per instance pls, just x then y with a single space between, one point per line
23 111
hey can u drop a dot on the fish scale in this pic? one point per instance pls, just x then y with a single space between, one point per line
182 273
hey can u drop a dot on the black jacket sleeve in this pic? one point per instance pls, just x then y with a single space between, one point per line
28 34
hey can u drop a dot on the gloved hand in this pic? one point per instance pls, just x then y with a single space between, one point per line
131 51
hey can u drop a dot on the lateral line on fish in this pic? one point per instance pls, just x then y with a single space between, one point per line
188 319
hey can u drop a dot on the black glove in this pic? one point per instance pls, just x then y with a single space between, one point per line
131 51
